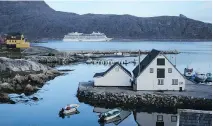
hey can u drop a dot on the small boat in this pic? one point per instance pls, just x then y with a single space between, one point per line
106 116
72 109
188 72
209 77
68 115
89 61
200 78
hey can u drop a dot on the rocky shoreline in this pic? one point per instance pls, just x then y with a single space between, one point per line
22 76
131 99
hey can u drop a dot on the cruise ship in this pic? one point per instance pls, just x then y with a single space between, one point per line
95 36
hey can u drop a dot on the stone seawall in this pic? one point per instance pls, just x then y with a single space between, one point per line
126 98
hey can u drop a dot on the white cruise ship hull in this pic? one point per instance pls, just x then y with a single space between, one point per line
87 40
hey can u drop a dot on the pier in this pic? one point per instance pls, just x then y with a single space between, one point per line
195 97
115 52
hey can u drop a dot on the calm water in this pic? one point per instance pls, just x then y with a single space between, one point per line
62 90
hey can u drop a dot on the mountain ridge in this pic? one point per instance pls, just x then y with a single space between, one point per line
38 21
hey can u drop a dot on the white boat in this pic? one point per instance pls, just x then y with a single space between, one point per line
89 61
188 72
94 37
65 111
106 116
199 77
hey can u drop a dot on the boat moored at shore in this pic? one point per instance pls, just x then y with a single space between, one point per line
188 72
199 77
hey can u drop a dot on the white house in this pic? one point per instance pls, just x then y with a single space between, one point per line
156 72
116 75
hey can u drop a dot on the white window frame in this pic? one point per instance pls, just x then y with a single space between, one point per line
160 81
174 81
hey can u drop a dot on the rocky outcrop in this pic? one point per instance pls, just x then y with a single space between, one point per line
18 65
136 100
39 50
23 76
27 83
53 59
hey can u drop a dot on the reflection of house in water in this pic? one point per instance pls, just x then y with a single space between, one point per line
123 115
155 119
188 117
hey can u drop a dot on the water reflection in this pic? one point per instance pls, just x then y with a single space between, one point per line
117 120
155 119
182 117
68 115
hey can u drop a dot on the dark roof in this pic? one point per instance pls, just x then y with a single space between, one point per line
115 64
14 33
145 62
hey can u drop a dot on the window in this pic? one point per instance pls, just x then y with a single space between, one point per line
173 118
169 70
174 81
160 81
151 70
160 73
161 61
159 117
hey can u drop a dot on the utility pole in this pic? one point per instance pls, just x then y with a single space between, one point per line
139 61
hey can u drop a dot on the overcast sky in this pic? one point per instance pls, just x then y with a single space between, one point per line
199 10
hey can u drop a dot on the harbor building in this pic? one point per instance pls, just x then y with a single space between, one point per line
156 72
116 75
16 40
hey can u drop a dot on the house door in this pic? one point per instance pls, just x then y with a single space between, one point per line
180 89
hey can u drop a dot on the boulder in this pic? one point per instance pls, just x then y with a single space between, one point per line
34 98
4 98
29 88
6 87
36 78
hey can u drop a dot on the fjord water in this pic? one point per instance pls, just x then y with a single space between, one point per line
62 90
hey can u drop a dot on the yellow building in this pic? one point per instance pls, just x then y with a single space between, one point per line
17 40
